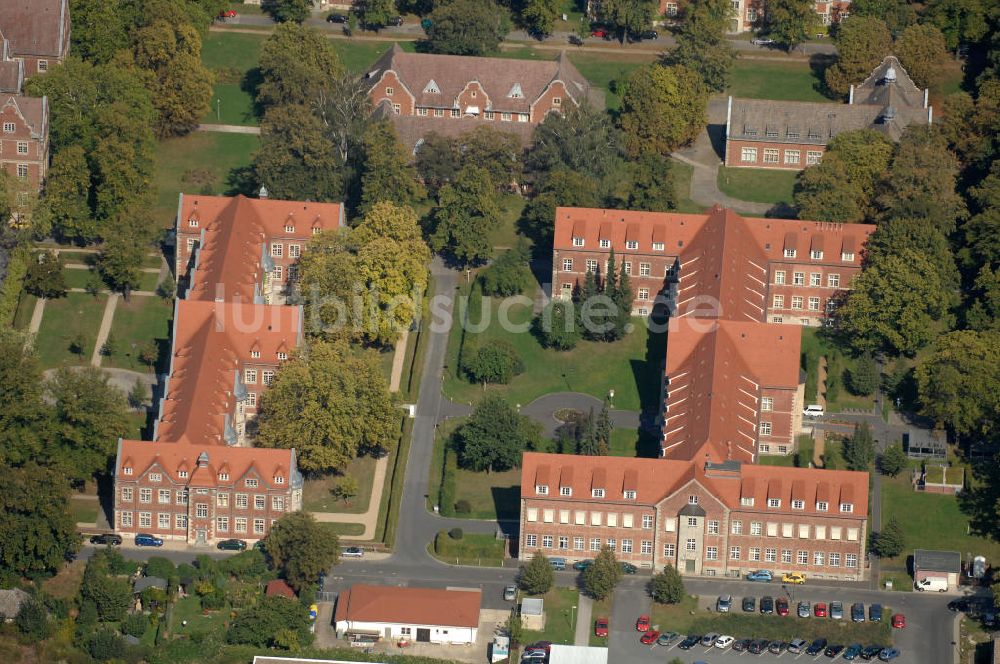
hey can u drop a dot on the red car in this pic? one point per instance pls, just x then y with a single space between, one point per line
820 610
599 32
601 627
228 13
781 606
650 637
899 621
642 624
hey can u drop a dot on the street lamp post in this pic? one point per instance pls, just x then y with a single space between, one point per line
572 620
218 109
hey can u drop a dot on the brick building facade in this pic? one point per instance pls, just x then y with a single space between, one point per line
792 135
24 139
704 518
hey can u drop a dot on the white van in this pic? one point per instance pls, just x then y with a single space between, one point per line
932 583
814 410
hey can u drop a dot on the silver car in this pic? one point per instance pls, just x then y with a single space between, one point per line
837 610
510 593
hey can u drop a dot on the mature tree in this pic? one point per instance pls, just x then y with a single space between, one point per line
824 192
539 16
100 29
984 311
36 531
388 175
170 51
298 65
859 449
23 415
111 594
862 43
894 235
662 109
330 403
653 186
582 140
556 326
466 214
345 489
375 14
273 622
627 16
862 378
466 27
897 14
890 541
537 577
495 361
283 11
587 443
45 276
982 230
959 381
437 160
603 428
498 152
495 436
345 114
921 180
301 548
120 260
562 187
602 575
922 51
961 21
296 160
789 22
892 461
90 414
32 619
65 204
865 153
701 43
507 275
667 587
370 279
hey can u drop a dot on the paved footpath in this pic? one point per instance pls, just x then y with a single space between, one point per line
105 329
230 129
585 607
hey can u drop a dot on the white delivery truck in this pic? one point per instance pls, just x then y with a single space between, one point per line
932 583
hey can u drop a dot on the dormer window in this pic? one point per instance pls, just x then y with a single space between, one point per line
431 88
774 502
577 241
631 244
289 229
515 92
846 508
565 491
316 230
282 356
597 493
251 483
182 473
746 501
223 477
192 222
630 495
657 246
789 253
127 470
542 489
816 255
605 244
278 479
798 504
847 256
692 500
821 506
255 354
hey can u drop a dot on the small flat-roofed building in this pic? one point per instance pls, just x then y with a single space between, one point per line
940 564
424 615
561 654
533 613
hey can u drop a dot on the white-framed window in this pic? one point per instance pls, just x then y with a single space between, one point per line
294 250
822 506
779 302
815 278
798 504
646 547
748 155
797 301
847 256
765 428
522 117
712 527
790 253
770 555
802 557
647 521
278 271
567 265
542 489
597 493
627 267
813 304
557 101
282 356
126 519
222 499
645 269
767 403
250 376
669 550
595 543
505 117
127 494
565 491
734 553
774 502
818 558
786 556
145 495
643 293
833 280
793 156
736 527
798 278
592 266
711 553
163 521
242 501
626 546
578 241
201 510
747 501
756 528
259 502
390 90
455 113
578 544
631 244
531 540
9 128
851 560
267 376
690 544
630 495
163 496
816 255
277 250
605 243
397 109
258 526
754 554
813 157
611 543
145 519
182 474
255 354
692 500
692 522
846 508
770 156
22 147
765 448
563 542
779 277
222 524
422 111
834 559
251 399
439 112
240 524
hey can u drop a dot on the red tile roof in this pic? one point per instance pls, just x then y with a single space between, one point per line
236 232
656 479
36 27
716 370
211 340
239 462
278 588
409 606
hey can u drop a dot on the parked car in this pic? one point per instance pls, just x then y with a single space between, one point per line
794 577
629 568
852 652
739 645
689 642
601 627
778 647
958 605
142 539
232 545
875 613
932 583
600 32
582 565
797 646
749 604
888 654
647 34
108 538
356 552
819 610
667 638
870 652
395 21
642 624
534 656
833 651
781 606
709 639
757 646
767 605
760 575
761 41
858 612
724 642
723 604
813 410
816 647
803 610
228 13
558 564
898 620
544 646
649 637
510 593
837 610
336 18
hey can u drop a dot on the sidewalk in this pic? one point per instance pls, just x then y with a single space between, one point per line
585 607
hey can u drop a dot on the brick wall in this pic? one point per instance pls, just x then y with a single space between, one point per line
659 266
390 89
771 154
34 163
806 303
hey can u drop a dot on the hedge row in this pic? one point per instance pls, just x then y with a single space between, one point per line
10 292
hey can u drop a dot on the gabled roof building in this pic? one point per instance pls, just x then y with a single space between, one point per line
38 32
423 615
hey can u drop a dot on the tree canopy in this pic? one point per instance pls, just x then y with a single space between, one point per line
537 577
789 22
862 43
701 43
602 575
298 65
922 51
465 217
958 383
662 109
495 436
301 548
388 175
287 11
466 27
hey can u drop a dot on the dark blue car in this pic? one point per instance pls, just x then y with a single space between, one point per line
147 540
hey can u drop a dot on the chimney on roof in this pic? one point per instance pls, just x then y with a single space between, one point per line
203 460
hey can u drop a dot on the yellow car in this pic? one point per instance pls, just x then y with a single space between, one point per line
793 577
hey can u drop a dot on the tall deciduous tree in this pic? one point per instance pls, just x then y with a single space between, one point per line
67 187
859 449
559 187
330 403
466 27
922 51
499 152
961 21
897 14
274 622
891 540
495 436
121 257
789 22
539 16
662 109
298 65
653 185
301 548
37 534
23 415
437 161
862 43
627 16
893 461
466 214
602 575
582 140
375 14
824 193
537 577
45 276
296 160
388 175
959 382
701 43
667 587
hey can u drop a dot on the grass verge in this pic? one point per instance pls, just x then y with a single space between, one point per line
138 322
392 494
634 443
77 314
758 185
776 79
560 617
317 496
477 549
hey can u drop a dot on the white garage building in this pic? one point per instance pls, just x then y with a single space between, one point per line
425 615
577 655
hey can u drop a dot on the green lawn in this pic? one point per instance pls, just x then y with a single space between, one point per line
629 366
358 56
77 278
64 319
231 50
81 257
83 511
682 184
632 443
346 529
603 69
316 496
839 364
505 236
758 185
195 162
25 308
473 549
802 457
601 608
231 105
189 609
137 322
686 618
560 617
779 80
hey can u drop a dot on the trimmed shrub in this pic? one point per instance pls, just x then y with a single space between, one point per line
463 507
456 533
446 498
496 361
